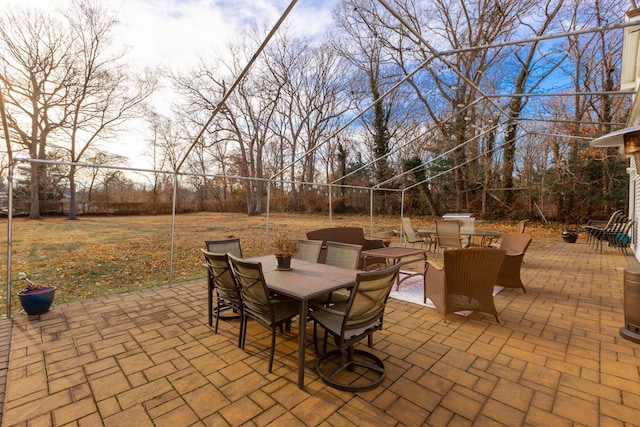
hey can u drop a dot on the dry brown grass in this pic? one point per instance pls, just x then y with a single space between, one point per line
98 256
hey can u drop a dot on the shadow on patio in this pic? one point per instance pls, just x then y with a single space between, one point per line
148 358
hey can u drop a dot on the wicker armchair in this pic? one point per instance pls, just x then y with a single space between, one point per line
516 245
465 282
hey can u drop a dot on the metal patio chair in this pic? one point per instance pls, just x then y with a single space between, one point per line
346 368
257 303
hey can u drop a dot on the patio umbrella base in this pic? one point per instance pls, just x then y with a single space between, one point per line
631 336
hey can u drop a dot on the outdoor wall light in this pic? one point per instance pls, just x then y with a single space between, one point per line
627 139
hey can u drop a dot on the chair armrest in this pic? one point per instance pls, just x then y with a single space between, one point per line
514 254
433 264
330 310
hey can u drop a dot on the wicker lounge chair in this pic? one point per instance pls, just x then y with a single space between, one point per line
465 282
516 245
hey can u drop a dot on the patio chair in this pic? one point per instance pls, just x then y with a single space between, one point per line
522 225
308 250
410 236
231 245
342 255
258 304
465 282
225 286
516 245
448 235
346 368
223 246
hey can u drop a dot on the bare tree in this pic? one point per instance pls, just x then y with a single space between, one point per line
37 54
64 87
102 94
534 68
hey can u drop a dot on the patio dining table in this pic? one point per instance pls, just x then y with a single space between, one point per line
487 237
305 280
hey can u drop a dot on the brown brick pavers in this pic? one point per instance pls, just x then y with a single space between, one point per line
148 358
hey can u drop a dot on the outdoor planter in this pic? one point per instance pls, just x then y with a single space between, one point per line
37 301
570 236
283 262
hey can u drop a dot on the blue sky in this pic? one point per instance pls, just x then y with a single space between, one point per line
175 33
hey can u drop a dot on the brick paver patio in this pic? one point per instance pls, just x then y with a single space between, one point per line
149 359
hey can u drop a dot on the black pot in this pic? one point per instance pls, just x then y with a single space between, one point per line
283 263
37 301
570 236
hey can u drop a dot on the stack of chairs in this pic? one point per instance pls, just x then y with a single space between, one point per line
595 227
621 239
616 232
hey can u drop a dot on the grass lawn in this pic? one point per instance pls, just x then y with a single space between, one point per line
97 256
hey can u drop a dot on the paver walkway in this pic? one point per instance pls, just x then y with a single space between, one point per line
149 359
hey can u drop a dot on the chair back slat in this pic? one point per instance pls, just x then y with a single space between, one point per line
253 289
369 297
308 250
522 225
343 255
230 246
448 234
223 278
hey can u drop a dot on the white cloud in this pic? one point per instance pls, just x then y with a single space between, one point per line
174 34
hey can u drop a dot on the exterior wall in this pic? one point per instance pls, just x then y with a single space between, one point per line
630 79
634 205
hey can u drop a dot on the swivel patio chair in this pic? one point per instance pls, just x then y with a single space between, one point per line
308 250
465 282
346 368
516 245
224 285
411 236
231 245
258 304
